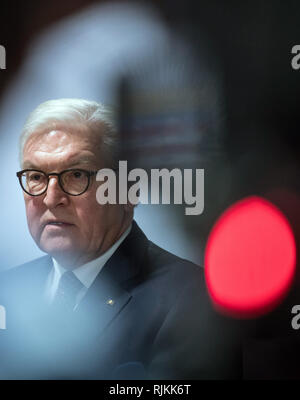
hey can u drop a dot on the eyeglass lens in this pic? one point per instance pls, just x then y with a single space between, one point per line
73 182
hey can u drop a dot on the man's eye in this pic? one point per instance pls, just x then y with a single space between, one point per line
77 174
35 177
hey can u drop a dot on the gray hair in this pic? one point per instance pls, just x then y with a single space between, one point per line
72 112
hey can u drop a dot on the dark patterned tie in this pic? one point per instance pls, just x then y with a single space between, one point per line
68 288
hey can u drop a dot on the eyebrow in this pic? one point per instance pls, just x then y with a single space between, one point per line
84 160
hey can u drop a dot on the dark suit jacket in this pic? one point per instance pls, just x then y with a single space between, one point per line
160 323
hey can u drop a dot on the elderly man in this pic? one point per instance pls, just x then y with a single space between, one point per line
104 303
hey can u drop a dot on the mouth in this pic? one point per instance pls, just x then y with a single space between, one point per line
59 224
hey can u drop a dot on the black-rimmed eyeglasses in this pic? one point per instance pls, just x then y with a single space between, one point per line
72 181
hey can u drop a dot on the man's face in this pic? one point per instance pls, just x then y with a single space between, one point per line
87 228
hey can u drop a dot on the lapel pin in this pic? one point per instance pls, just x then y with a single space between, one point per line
110 302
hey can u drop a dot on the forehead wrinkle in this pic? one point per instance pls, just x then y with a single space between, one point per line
56 136
70 128
50 147
37 145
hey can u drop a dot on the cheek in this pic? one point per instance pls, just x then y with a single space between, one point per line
91 216
32 213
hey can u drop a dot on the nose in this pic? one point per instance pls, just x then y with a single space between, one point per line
55 196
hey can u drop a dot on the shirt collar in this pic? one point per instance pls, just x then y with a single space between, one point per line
87 273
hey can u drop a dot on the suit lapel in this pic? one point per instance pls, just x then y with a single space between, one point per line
109 294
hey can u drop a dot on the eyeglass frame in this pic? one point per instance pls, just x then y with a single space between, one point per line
58 174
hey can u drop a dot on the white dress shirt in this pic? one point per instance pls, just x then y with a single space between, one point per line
86 273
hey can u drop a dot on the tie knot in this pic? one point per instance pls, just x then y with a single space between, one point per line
68 288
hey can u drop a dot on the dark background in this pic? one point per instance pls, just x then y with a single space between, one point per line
253 40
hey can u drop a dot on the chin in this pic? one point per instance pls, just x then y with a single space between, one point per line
59 249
